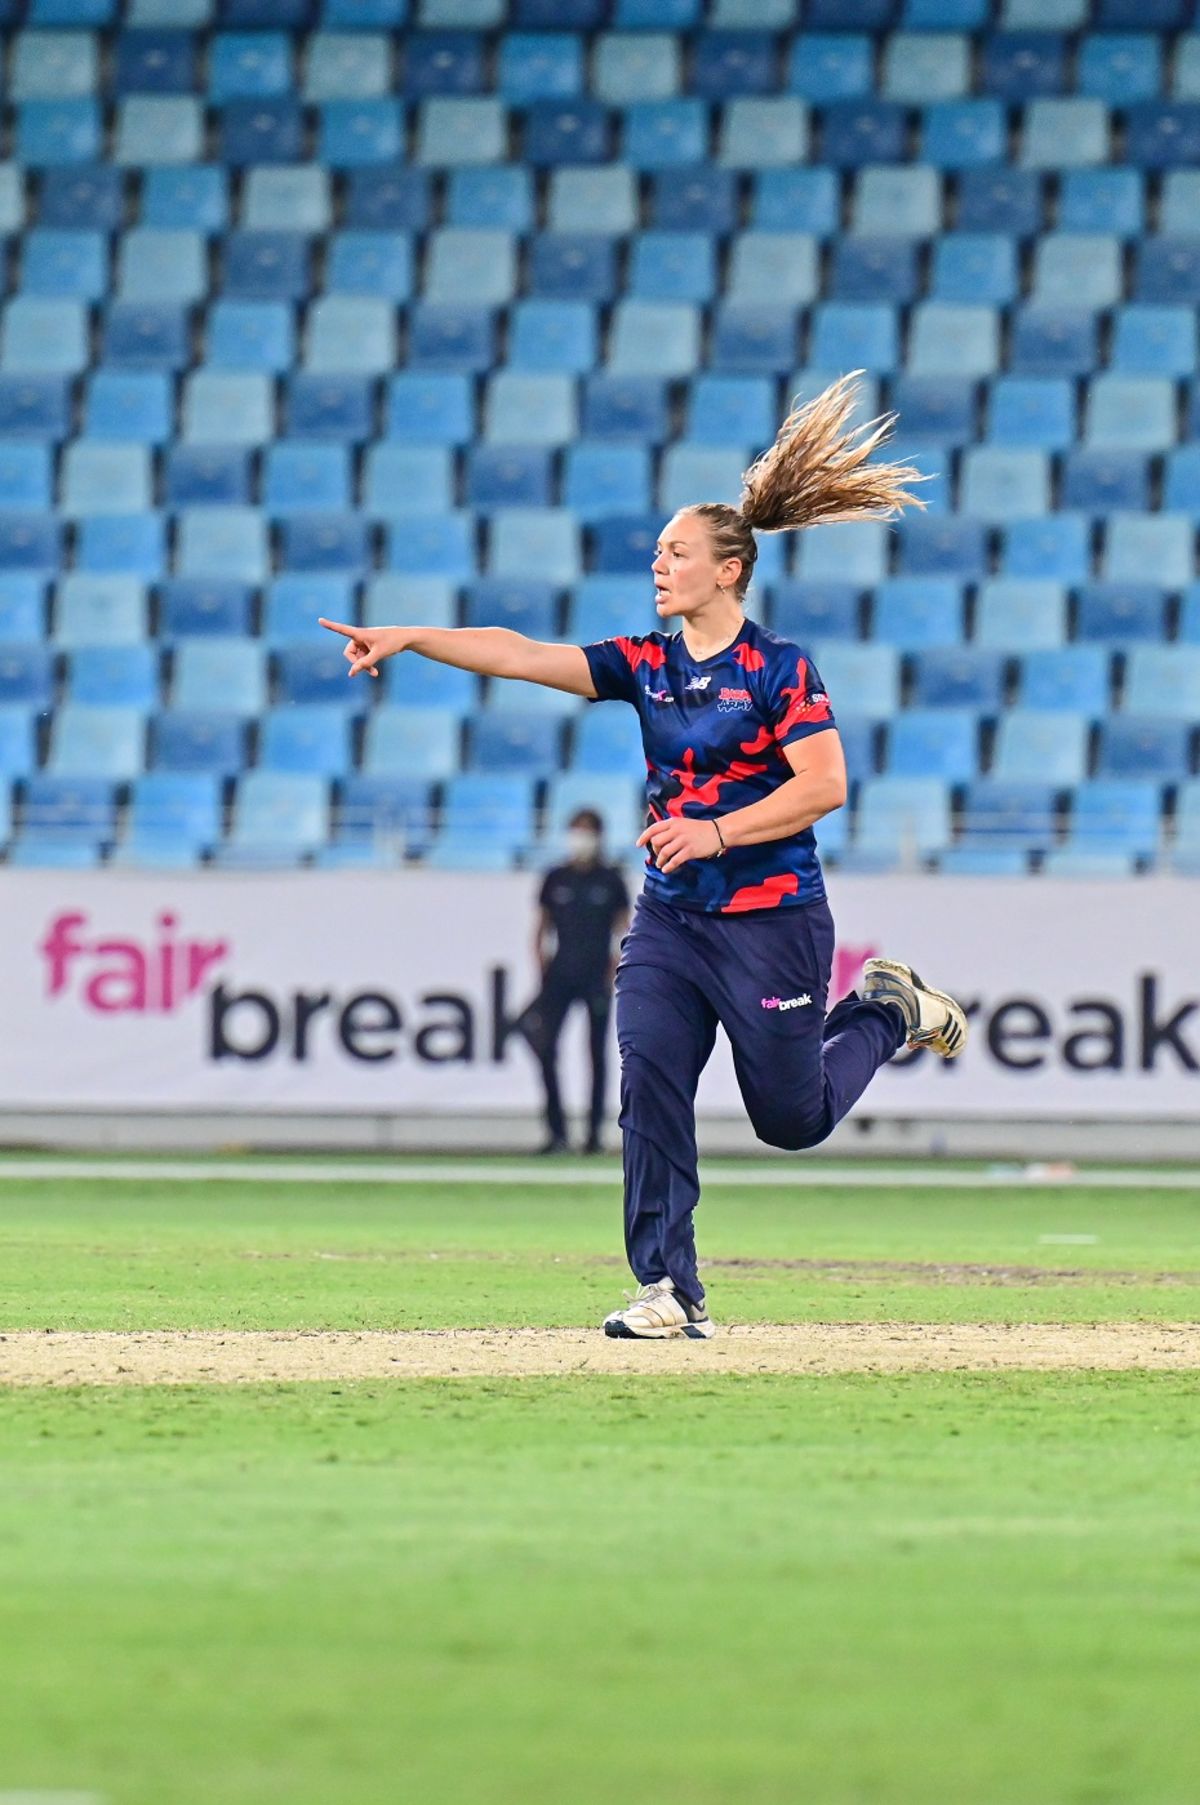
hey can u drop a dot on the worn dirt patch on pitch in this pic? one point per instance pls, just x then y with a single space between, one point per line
240 1357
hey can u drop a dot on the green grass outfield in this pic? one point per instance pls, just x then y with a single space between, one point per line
936 1589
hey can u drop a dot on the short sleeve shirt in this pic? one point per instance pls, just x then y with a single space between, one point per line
714 731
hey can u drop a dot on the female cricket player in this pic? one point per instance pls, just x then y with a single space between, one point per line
733 926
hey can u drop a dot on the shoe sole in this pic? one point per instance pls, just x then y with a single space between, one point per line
691 1331
949 1041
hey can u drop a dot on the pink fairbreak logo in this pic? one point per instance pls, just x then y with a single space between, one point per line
154 976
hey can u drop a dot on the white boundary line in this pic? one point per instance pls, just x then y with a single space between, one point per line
556 1175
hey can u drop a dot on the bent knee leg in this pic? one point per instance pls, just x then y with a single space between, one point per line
791 1130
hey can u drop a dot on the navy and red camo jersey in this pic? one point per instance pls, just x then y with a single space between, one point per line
714 730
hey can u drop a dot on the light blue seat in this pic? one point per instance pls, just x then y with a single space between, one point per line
851 552
998 484
1058 546
673 266
129 406
1151 340
494 812
430 408
593 199
763 133
279 812
530 409
1067 677
897 201
12 198
346 66
514 741
229 674
42 337
97 742
1084 862
1118 67
455 129
352 335
174 816
607 741
293 602
105 479
302 476
136 543
155 265
1037 412
414 683
1180 199
837 66
223 542
1016 616
860 679
18 752
854 335
25 472
227 407
305 736
532 698
964 134
1077 269
969 267
665 134
159 128
99 611
904 817
797 200
950 340
433 545
934 742
1150 548
412 742
358 134
250 335
1103 200
280 198
601 479
405 479
918 611
190 197
1163 680
621 807
552 336
249 65
1064 134
53 65
494 196
603 606
1040 746
22 607
627 68
919 67
539 65
53 132
462 261
783 265
1116 815
732 410
1130 413
535 542
707 472
68 264
114 677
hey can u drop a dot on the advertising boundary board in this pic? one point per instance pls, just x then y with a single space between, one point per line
349 993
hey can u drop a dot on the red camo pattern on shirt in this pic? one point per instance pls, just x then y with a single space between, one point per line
767 895
802 708
646 653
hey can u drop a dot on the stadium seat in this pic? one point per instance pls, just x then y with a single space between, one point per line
1163 680
99 611
114 677
312 737
280 812
1016 616
1116 815
188 607
935 742
904 817
87 741
1040 746
998 816
910 612
959 677
810 611
1149 748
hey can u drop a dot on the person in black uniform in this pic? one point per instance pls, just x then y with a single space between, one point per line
583 910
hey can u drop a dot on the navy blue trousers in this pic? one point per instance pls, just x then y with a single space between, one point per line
764 977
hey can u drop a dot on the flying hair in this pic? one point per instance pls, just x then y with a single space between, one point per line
815 473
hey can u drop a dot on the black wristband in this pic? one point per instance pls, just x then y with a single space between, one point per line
721 838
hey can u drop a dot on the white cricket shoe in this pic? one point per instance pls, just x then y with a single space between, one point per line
655 1314
934 1019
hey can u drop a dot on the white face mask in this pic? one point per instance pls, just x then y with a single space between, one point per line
582 843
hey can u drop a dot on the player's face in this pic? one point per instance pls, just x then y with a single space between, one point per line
685 573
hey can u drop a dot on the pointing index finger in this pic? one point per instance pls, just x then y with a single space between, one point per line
337 626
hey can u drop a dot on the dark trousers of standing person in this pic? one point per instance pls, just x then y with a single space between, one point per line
543 1025
764 977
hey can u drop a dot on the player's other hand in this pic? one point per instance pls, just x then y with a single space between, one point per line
366 647
679 838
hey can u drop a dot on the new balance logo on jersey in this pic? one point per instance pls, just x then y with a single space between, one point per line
696 683
786 1002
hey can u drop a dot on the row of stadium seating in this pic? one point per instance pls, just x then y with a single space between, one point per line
178 819
98 618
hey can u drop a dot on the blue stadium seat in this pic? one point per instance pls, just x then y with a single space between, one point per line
129 405
926 66
1000 200
861 679
943 546
1015 615
1077 269
1065 134
73 806
574 130
849 335
732 410
573 266
1155 548
502 196
444 62
684 200
964 134
710 471
938 408
1053 341
1120 69
625 543
194 475
754 338
1168 270
188 607
1152 749
528 606
27 676
870 269
552 336
18 752
809 611
43 338
385 809
834 66
286 200
530 409
513 742
198 741
395 199
53 65
71 264
1189 615
1032 411
1066 677
310 671
330 407
58 132
785 200
100 611
959 677
30 542
87 741
292 604
859 132
1110 819
602 478
727 64
25 473
672 266
358 135
338 542
624 407
251 335
488 811
307 736
419 683
147 336
159 128
1119 612
261 131
280 812
231 672
227 407
1017 66
173 816
136 543
405 479
1162 134
442 336
508 476
975 266
913 611
352 335
103 479
535 66
854 552
462 261
763 133
76 198
114 677
154 62
1130 413
1057 547
1097 482
1102 200
305 477
22 608
1040 746
1000 484
249 65
654 338
934 742
185 196
951 340
1163 680
998 816
665 134
267 266
602 607
903 816
433 545
526 542
589 199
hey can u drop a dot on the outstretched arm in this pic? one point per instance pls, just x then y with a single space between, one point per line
491 651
